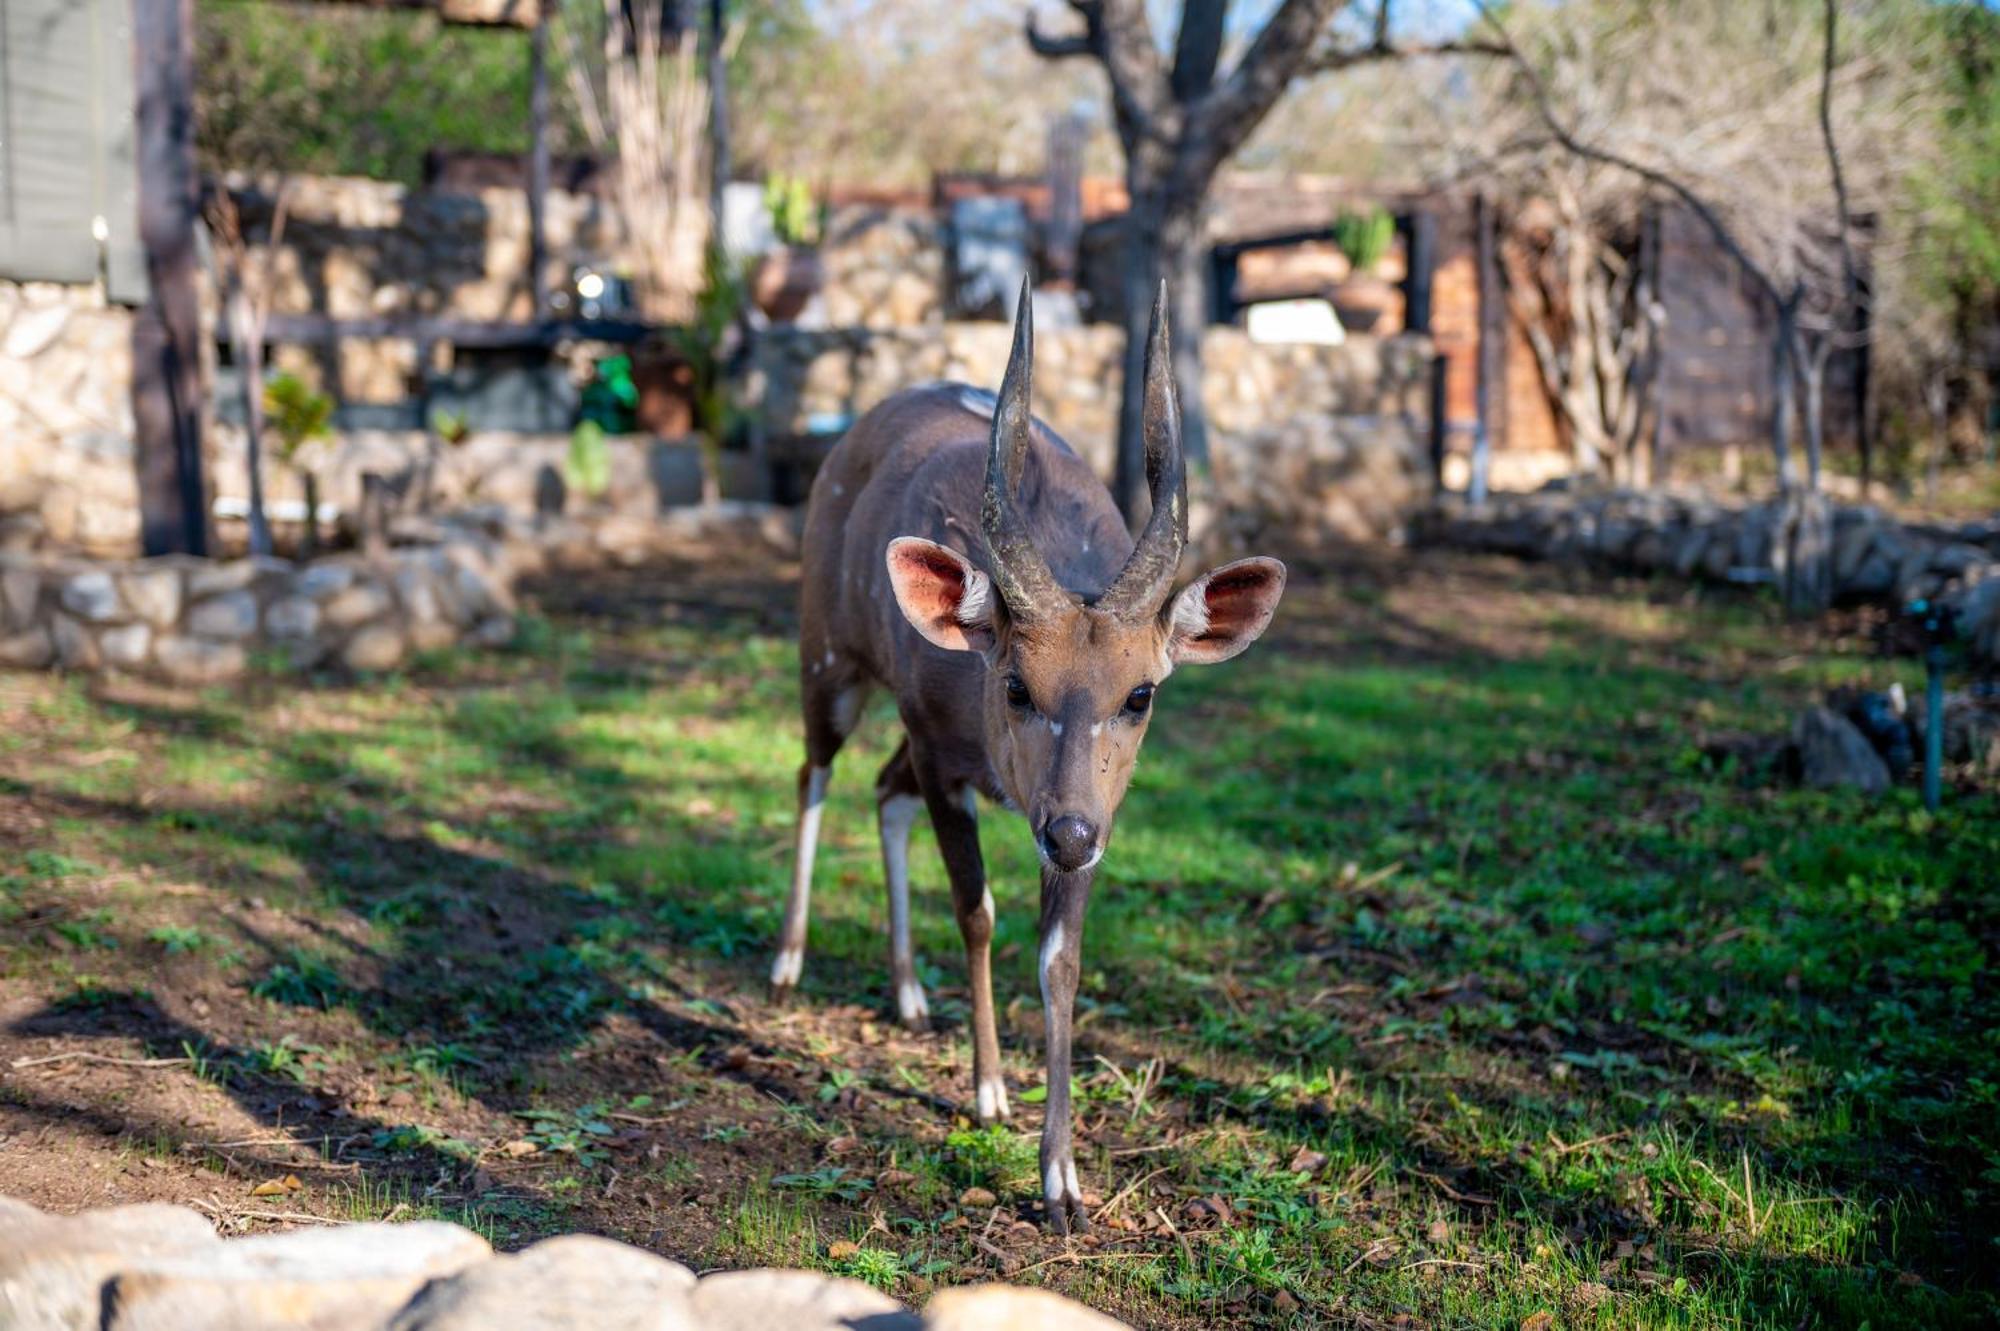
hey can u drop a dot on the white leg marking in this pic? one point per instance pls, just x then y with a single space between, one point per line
1051 948
1069 1178
986 905
970 799
1052 1181
791 951
899 814
993 1100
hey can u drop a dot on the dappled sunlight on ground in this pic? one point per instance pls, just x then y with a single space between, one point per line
1433 973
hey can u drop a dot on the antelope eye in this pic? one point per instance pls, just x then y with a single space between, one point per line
1139 699
1017 692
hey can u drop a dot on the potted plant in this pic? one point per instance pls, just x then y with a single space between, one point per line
299 416
787 277
1362 297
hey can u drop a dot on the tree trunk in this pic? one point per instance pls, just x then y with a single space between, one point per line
1781 392
1812 385
166 331
309 538
1164 240
246 343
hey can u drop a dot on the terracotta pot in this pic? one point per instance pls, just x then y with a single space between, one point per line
784 281
1361 301
666 392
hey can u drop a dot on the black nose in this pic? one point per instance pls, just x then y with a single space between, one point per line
1069 841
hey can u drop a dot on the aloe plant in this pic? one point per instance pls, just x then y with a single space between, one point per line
1364 238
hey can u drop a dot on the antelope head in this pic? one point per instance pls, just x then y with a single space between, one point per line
1072 674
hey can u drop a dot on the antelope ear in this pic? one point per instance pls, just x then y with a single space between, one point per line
1223 611
942 595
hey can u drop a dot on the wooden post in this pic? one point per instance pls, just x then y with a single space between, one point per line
166 331
538 167
1065 168
1421 231
1440 422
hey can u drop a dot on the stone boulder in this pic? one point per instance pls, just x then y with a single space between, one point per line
1833 753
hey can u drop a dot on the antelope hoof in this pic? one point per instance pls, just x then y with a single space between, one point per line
785 971
911 1008
1063 1198
992 1101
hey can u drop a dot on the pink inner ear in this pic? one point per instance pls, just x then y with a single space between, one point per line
932 584
1239 603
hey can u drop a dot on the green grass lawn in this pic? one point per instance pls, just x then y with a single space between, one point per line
1434 978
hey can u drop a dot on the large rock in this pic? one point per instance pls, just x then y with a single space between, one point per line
31 649
352 1276
53 1267
231 616
558 1284
154 595
766 1300
1006 1307
1833 753
198 661
93 596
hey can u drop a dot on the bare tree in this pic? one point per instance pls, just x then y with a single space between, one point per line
1179 120
652 113
245 268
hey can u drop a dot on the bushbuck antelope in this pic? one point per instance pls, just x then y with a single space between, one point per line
992 586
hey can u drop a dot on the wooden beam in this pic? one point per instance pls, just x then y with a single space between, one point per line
319 329
525 14
166 330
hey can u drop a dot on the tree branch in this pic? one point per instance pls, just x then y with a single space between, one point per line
1120 36
1198 47
1651 175
1330 61
1278 55
1849 273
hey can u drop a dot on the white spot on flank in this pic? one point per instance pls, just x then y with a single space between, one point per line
992 1099
1096 729
1056 727
829 658
838 489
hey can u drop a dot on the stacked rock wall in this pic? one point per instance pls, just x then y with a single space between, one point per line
1305 440
1874 556
66 474
162 1268
194 621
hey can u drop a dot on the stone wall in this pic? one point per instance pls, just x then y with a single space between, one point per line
1875 558
194 621
155 1267
447 580
1307 440
66 474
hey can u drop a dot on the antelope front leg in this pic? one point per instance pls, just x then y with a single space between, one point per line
1063 898
955 819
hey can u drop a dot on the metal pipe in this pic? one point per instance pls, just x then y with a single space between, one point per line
1933 724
